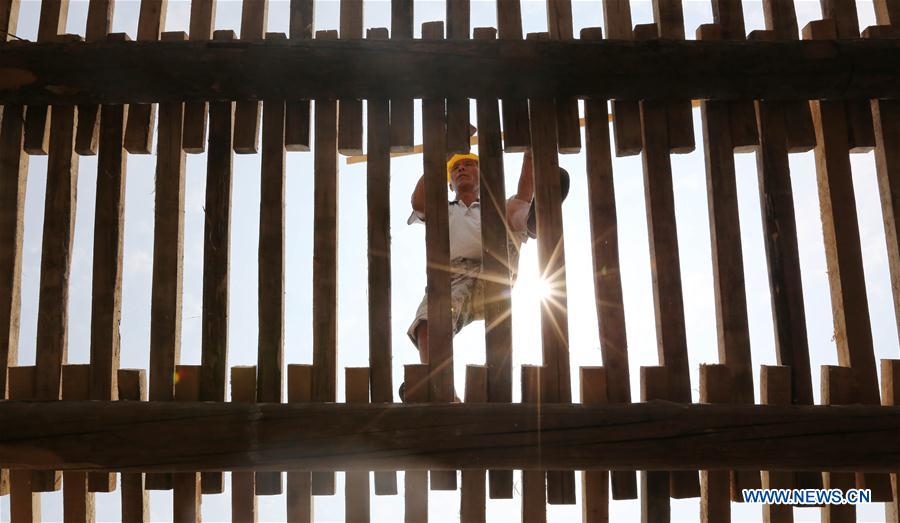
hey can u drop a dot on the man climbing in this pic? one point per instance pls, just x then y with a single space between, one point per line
464 213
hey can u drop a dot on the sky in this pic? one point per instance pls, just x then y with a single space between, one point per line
408 261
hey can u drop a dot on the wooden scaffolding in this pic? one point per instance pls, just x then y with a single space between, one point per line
79 427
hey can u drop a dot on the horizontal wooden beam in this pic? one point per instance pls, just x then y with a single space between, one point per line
657 435
119 72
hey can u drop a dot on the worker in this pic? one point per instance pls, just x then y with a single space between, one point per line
464 213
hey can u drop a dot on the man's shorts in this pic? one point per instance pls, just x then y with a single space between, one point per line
466 297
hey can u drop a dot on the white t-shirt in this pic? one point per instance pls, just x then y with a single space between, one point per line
465 229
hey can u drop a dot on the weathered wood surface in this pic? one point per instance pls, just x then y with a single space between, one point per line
202 22
775 389
297 69
78 503
886 116
837 389
186 487
655 505
402 108
626 113
534 491
350 112
472 490
98 25
24 503
135 501
299 482
594 483
458 22
254 16
559 25
243 484
515 110
356 483
415 482
297 113
715 498
139 128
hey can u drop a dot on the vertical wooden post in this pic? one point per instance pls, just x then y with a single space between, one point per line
605 255
325 263
626 113
715 502
495 265
13 180
534 501
402 109
515 110
559 23
24 501
594 483
254 14
106 300
56 257
667 292
458 22
299 482
838 389
378 177
51 24
887 12
350 110
203 13
356 493
437 240
415 482
78 503
139 129
186 485
135 502
168 264
890 396
840 226
243 483
99 23
669 18
472 496
556 383
297 113
775 389
655 483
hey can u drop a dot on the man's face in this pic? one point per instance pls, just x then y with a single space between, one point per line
464 175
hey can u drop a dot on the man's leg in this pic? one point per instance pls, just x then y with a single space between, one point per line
422 341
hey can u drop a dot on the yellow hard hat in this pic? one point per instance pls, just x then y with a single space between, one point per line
457 158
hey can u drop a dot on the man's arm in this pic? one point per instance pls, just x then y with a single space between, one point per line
418 197
517 208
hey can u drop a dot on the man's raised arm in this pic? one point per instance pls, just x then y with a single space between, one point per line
517 208
418 197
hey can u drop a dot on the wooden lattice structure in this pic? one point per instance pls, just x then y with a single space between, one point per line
79 427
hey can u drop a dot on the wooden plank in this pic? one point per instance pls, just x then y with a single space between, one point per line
667 291
350 113
106 300
402 108
139 129
202 22
729 18
135 501
887 12
843 256
838 389
775 389
472 491
437 240
325 205
458 22
99 23
299 483
556 383
534 495
78 503
9 19
568 130
495 264
168 264
56 255
415 482
516 131
13 181
655 385
715 387
186 485
51 24
669 18
356 490
271 280
594 483
886 116
216 261
24 503
243 484
608 296
626 113
297 113
890 395
254 15
850 438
